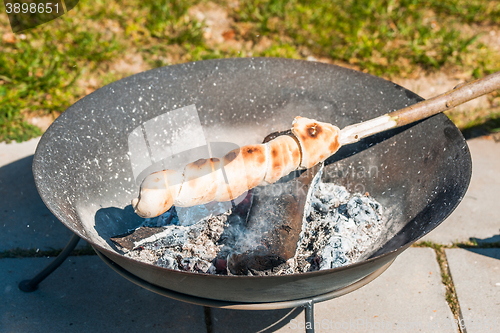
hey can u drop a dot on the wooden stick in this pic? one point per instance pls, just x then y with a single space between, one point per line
458 95
154 200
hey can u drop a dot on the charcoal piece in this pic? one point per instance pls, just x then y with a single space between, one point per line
129 239
168 260
363 210
331 195
302 264
194 264
253 261
197 229
169 237
333 254
152 237
274 223
244 203
333 260
278 269
220 266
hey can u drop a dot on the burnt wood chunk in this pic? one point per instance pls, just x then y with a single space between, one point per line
129 240
173 234
275 222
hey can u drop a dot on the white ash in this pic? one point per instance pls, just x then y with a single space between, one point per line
189 248
339 227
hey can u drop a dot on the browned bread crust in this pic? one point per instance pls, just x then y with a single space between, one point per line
318 140
239 170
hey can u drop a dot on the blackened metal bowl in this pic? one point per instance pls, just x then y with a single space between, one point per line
419 173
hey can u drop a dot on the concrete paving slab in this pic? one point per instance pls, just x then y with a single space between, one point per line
477 215
476 275
85 295
408 297
25 221
11 152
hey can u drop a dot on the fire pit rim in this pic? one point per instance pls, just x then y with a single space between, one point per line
59 214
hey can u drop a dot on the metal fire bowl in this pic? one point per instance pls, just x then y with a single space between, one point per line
418 173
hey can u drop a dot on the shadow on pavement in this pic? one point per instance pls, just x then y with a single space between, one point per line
25 220
252 321
488 252
488 242
489 247
489 127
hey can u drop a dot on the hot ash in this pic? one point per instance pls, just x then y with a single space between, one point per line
338 229
166 243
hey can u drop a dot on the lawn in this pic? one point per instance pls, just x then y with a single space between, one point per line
46 69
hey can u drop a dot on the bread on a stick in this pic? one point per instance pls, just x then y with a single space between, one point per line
255 159
232 182
283 158
199 184
206 180
158 191
318 140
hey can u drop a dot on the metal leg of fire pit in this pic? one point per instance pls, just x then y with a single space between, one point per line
308 304
309 316
32 285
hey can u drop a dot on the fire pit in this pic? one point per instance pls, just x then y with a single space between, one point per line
419 173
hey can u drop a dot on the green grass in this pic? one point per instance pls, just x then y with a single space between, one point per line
471 11
38 74
474 122
462 245
382 37
49 69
